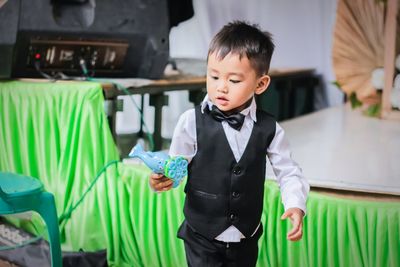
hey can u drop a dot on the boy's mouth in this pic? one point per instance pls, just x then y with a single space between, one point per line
221 100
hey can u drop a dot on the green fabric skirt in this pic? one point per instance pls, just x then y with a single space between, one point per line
58 133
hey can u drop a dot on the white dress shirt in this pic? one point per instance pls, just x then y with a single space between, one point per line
294 188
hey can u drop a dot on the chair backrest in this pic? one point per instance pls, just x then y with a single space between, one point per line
14 185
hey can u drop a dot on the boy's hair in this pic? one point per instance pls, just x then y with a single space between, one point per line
239 37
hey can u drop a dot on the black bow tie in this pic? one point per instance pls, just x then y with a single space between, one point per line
234 120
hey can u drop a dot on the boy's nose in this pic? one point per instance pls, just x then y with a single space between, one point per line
221 87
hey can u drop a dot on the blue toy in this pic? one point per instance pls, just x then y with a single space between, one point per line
174 168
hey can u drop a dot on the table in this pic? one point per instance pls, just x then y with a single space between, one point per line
340 148
286 84
291 92
196 86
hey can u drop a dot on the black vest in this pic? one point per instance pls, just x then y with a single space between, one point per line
220 191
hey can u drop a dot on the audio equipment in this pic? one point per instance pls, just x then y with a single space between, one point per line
102 38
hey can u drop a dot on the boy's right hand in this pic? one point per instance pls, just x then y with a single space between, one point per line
159 182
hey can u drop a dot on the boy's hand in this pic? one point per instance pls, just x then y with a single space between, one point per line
296 217
159 182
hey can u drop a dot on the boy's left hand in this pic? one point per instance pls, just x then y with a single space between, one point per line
296 217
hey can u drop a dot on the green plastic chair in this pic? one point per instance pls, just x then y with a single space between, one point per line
20 193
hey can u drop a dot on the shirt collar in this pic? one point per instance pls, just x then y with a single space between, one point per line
249 111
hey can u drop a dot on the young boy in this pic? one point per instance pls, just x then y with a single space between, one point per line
226 140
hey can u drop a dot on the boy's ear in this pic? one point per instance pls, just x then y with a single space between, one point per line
263 84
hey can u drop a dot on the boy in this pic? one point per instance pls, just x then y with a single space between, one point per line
226 140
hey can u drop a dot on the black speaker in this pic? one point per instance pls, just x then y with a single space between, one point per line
9 14
101 38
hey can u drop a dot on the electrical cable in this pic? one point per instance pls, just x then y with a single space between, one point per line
66 215
43 74
63 218
87 77
82 64
126 92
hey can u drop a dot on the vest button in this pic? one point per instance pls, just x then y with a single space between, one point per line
237 170
232 217
235 194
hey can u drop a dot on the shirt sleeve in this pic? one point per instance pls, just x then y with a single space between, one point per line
294 187
184 137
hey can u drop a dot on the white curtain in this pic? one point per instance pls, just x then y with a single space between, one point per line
302 31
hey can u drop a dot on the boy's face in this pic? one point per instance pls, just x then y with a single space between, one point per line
232 81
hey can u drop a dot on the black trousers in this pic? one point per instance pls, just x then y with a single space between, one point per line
202 252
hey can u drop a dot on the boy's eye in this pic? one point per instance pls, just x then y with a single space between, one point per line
214 77
234 81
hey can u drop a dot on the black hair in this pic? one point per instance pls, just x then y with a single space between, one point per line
244 39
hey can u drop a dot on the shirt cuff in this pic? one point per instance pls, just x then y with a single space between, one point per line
296 204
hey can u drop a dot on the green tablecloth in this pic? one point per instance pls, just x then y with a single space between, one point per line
58 132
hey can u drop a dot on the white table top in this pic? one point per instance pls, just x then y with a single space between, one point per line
342 149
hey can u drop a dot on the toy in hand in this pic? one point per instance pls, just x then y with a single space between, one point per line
174 168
